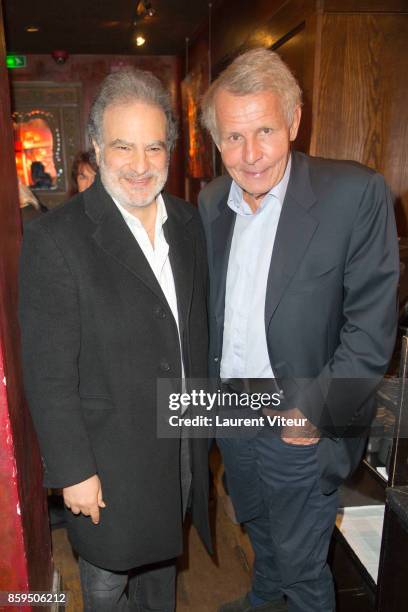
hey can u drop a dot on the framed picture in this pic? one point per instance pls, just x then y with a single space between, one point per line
47 136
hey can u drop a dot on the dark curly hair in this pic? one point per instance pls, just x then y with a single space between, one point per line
83 157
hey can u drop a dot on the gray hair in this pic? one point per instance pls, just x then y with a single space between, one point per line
252 72
126 86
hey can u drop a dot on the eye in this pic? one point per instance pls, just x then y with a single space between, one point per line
266 130
121 147
234 137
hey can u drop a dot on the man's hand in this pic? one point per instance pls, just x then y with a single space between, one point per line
85 497
296 434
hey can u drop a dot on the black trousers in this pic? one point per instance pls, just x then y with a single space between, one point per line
142 590
275 490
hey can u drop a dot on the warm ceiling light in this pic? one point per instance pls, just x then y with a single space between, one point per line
32 28
140 41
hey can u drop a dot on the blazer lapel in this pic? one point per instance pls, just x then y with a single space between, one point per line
295 230
115 238
222 232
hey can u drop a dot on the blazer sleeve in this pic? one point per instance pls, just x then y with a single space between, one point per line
51 335
335 400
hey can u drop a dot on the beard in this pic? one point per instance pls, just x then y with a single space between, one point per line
132 197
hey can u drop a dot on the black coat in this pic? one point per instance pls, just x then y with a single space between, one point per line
97 333
330 308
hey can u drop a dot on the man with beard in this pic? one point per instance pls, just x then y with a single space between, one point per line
113 289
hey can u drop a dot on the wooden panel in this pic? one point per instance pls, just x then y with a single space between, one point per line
298 50
23 523
260 23
354 6
362 111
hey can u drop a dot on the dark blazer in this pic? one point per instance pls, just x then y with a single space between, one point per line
330 311
97 333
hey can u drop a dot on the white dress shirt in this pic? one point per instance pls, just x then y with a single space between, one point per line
157 255
245 350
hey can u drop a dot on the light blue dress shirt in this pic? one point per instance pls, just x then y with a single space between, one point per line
245 350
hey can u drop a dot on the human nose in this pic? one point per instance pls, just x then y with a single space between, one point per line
138 162
252 151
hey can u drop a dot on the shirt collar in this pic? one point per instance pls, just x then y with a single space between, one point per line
133 221
237 203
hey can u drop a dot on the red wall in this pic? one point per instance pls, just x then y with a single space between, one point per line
25 552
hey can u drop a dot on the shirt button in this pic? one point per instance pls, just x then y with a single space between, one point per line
216 359
165 366
159 312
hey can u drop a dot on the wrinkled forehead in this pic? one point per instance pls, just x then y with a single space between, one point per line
134 118
247 110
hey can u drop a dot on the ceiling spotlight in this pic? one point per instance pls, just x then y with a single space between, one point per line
140 41
32 28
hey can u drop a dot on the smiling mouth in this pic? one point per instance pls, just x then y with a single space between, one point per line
254 174
138 183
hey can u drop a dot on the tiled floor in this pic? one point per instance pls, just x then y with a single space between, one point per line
203 582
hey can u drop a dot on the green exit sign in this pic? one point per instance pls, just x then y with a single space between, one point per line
16 61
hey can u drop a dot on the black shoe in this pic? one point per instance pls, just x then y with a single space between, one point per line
244 605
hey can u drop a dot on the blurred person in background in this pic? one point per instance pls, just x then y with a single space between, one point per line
40 178
83 172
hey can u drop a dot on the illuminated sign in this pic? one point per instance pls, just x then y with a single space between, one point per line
16 61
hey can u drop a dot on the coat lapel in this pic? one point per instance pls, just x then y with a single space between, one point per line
115 238
181 254
295 230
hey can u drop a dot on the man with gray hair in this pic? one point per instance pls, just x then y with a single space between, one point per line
113 298
303 263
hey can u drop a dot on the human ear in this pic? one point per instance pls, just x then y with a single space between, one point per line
293 130
97 150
